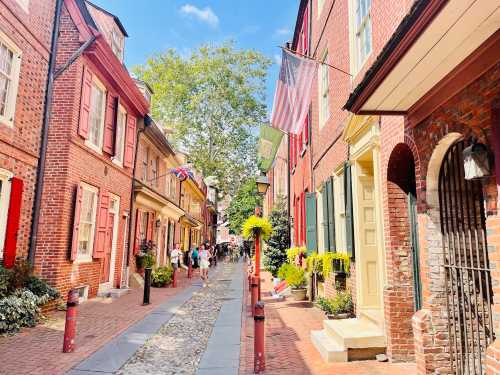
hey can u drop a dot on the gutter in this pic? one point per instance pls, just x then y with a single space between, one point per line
49 91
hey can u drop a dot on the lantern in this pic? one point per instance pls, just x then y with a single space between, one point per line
262 184
476 161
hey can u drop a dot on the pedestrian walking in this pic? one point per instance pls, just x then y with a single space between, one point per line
174 256
195 257
204 264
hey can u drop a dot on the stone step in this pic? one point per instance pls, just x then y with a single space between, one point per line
355 333
329 350
376 316
117 293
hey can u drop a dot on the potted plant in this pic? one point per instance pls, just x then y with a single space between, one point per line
296 279
338 307
146 257
161 277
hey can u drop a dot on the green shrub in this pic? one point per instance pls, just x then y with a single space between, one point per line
5 277
283 270
296 277
277 244
40 288
21 272
21 309
161 276
340 304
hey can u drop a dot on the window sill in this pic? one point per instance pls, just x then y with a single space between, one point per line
93 147
82 260
117 162
7 123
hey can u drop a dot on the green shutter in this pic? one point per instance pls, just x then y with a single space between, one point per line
326 235
331 217
311 234
349 220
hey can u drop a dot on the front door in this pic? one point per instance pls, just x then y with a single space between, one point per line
108 263
368 243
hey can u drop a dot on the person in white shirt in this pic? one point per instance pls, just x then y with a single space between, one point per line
175 255
204 264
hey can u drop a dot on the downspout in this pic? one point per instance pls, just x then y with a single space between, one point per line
44 134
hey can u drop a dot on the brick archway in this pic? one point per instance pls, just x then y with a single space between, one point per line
399 294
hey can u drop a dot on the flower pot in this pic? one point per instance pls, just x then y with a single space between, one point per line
338 316
299 294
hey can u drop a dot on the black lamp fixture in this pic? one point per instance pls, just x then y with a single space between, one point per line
477 163
262 184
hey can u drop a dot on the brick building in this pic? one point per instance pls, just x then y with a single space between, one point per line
25 45
441 70
82 238
278 178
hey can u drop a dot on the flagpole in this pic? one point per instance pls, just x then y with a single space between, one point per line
310 58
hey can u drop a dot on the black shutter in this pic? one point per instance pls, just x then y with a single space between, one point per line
331 217
349 220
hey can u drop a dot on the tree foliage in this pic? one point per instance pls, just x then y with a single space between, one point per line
279 241
214 99
243 204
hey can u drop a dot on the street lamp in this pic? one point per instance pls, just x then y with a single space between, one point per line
262 184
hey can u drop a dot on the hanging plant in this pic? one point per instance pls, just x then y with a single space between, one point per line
256 225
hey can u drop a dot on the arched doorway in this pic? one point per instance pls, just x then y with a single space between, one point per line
466 264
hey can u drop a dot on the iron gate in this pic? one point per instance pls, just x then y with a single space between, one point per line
467 272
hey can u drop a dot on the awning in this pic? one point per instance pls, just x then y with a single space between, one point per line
191 221
434 39
150 199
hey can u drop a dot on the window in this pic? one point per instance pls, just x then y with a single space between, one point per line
117 43
324 112
10 62
154 171
145 163
121 123
144 226
321 3
340 213
363 31
4 205
96 120
171 186
86 231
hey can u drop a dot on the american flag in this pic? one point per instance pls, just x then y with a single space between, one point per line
293 93
182 173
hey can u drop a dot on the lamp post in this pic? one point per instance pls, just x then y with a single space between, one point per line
262 186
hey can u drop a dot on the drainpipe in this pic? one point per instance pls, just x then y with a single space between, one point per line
44 135
147 122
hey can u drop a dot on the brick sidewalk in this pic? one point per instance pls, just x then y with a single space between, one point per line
38 350
288 347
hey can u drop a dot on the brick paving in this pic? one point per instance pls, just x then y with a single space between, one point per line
38 350
288 347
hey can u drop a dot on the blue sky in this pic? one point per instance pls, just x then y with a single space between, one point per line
155 25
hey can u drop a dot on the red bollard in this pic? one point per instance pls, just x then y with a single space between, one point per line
259 358
70 327
174 278
190 271
254 293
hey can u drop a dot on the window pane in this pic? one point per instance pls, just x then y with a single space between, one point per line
6 57
368 39
96 117
4 91
120 132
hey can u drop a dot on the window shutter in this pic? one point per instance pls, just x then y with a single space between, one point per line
128 160
303 218
83 127
295 222
301 142
151 223
326 233
102 225
110 124
306 130
349 221
13 218
137 242
311 236
331 216
76 222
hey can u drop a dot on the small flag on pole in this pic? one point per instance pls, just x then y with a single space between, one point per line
293 92
269 142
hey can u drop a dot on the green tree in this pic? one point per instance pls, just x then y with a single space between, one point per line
243 204
278 243
214 100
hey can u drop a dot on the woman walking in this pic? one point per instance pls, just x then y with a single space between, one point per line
204 264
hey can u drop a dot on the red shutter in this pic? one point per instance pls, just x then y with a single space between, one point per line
301 141
296 223
76 222
138 220
291 151
306 30
303 219
306 130
110 125
14 215
83 127
102 225
151 223
128 160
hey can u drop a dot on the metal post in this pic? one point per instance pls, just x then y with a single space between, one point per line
70 326
257 263
259 359
174 278
254 295
147 286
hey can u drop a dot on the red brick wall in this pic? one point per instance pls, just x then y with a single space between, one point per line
70 162
19 145
466 113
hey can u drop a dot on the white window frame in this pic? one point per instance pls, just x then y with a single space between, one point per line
81 258
118 158
100 86
10 106
324 91
358 59
117 43
340 221
5 177
155 164
321 4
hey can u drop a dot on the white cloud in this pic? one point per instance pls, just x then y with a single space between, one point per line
205 15
277 59
282 31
